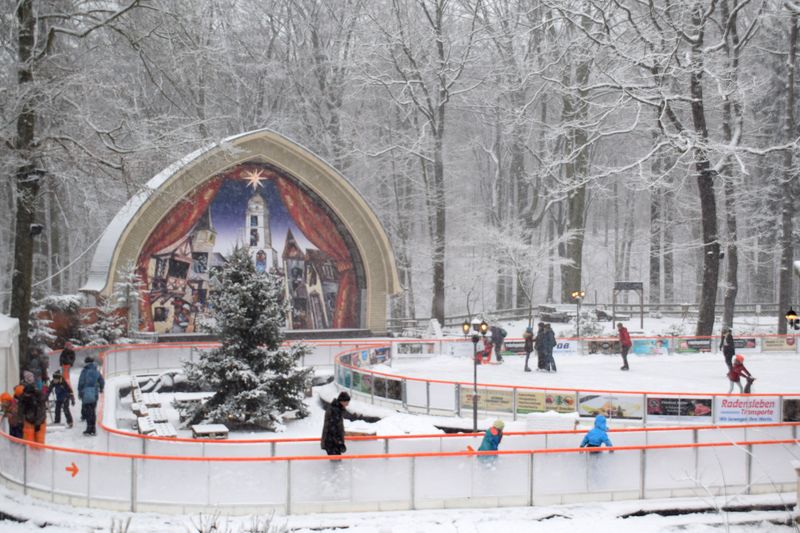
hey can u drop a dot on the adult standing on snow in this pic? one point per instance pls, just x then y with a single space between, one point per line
90 385
727 346
332 440
539 345
550 344
625 343
66 360
528 336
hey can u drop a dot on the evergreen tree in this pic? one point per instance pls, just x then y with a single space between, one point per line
107 326
255 380
127 293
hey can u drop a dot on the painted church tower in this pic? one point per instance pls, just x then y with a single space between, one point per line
257 234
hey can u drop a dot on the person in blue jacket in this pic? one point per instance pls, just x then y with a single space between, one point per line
90 386
491 441
597 436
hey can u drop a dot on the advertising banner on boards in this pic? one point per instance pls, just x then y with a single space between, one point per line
747 409
779 344
679 409
650 346
501 400
692 345
605 346
611 405
539 402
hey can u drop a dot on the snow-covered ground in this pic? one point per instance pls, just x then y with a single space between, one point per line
776 372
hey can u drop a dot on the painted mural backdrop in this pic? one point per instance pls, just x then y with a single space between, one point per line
285 230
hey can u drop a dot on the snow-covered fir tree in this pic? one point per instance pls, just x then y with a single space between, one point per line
40 333
255 380
126 295
106 327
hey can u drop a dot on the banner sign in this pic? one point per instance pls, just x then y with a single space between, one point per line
611 405
650 346
379 355
791 410
501 400
605 347
692 345
778 344
683 408
515 347
747 409
745 343
415 347
539 402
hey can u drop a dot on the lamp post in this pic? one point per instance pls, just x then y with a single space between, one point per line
478 330
791 318
578 296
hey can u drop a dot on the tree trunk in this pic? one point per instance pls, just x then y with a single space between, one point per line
26 177
668 246
655 228
785 272
439 239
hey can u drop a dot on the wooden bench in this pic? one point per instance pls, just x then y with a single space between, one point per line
165 429
146 425
150 399
157 415
210 431
139 409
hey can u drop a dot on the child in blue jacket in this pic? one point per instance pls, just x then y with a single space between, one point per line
597 436
491 441
64 396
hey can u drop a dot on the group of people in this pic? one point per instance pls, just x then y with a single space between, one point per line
543 342
27 407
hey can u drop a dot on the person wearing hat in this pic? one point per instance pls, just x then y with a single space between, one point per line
598 435
66 360
332 440
64 396
735 374
10 409
491 441
727 346
33 412
528 336
90 386
625 344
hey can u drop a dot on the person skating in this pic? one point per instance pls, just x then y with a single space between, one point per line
728 347
550 344
66 360
332 440
90 386
528 336
735 374
598 435
64 397
498 336
625 344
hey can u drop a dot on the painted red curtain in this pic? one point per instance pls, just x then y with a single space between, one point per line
170 230
317 226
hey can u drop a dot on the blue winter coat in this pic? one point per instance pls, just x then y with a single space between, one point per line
61 389
90 384
597 436
491 440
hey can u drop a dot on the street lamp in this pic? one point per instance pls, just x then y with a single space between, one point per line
578 296
478 330
791 318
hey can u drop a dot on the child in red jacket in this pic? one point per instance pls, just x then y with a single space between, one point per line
736 372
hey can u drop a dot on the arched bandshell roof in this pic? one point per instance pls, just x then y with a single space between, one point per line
125 236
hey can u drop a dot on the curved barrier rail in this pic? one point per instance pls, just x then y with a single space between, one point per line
454 398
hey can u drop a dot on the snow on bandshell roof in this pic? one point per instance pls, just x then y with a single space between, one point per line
100 269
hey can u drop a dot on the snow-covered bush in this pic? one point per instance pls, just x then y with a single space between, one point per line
254 380
106 329
40 334
590 327
676 329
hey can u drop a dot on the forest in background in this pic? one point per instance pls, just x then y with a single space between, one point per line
514 150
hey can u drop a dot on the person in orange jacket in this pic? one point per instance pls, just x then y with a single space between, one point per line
10 409
735 374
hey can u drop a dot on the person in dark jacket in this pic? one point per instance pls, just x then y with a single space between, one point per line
498 337
90 386
38 366
33 411
625 344
528 336
598 435
550 344
66 360
332 440
539 346
63 392
728 347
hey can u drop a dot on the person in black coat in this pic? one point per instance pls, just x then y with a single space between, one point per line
528 336
550 344
332 440
66 360
727 346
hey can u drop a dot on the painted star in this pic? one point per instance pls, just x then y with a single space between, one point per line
254 178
